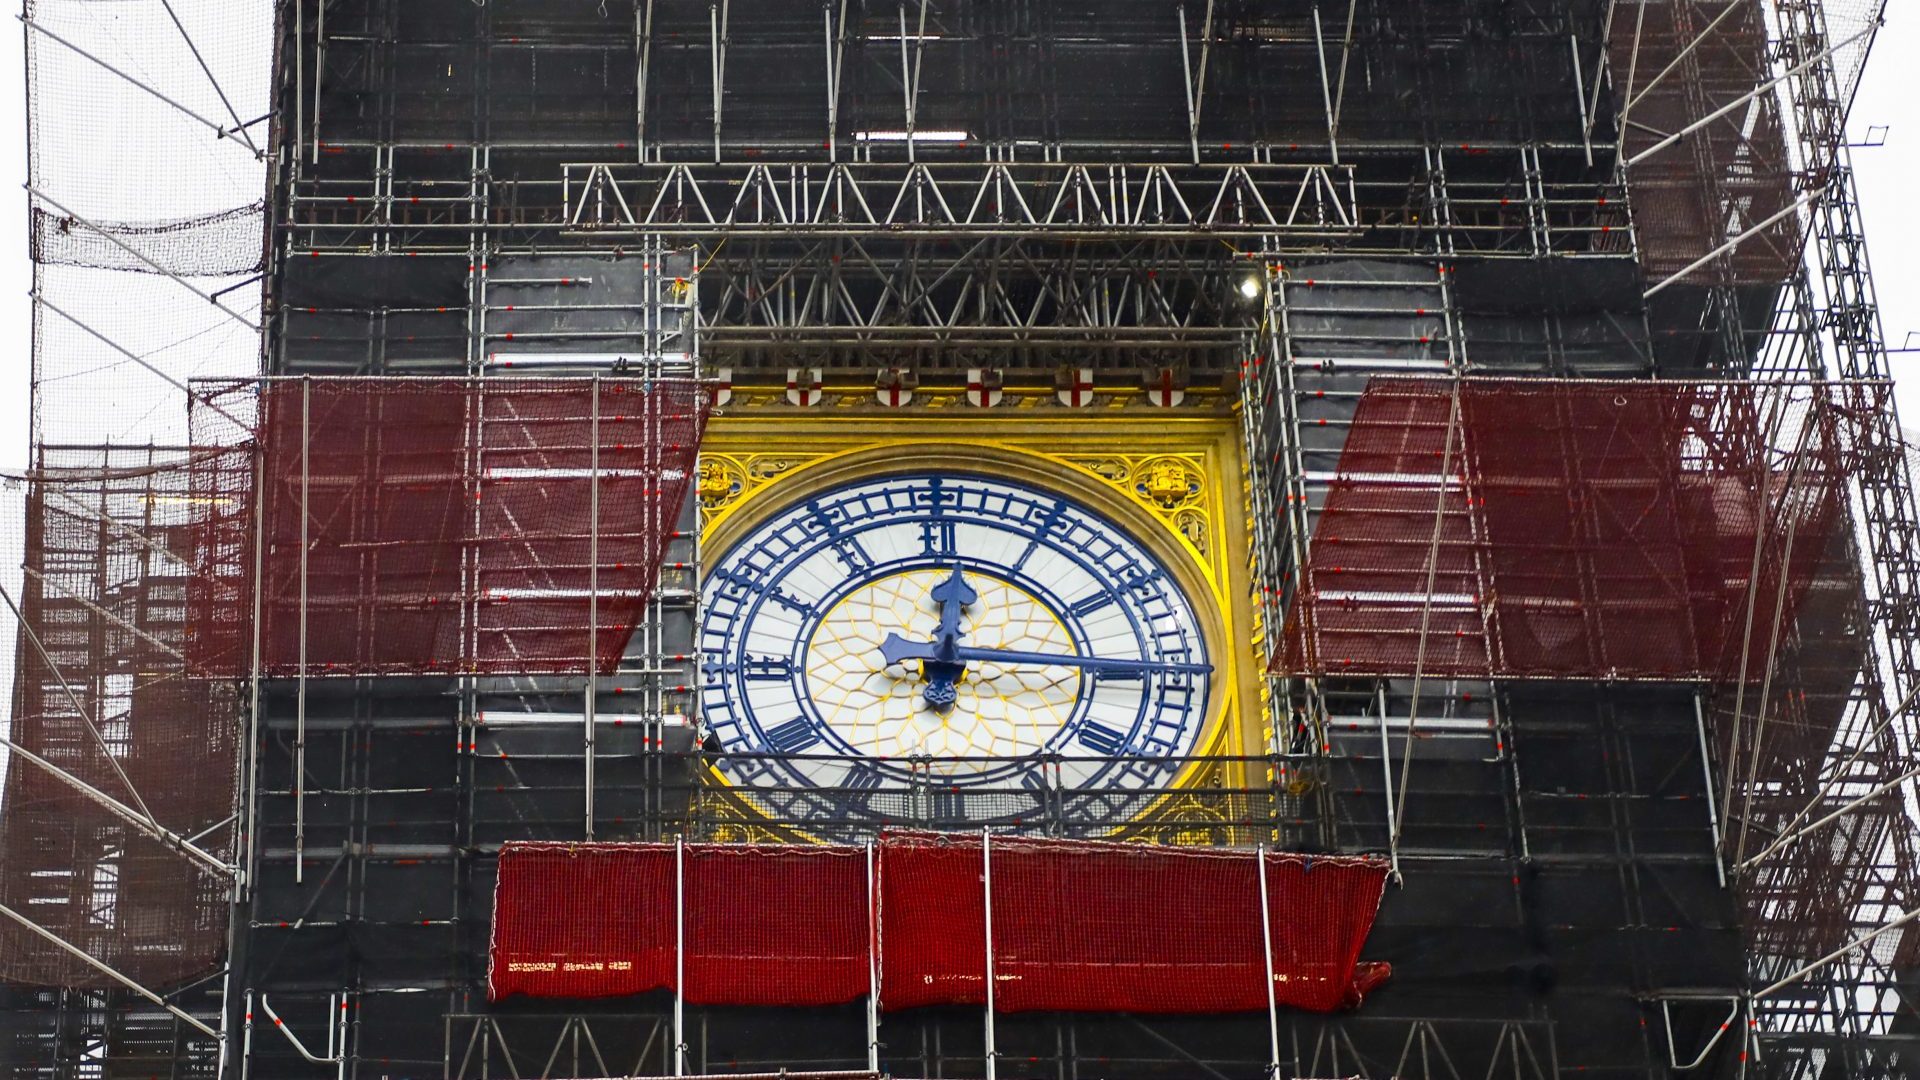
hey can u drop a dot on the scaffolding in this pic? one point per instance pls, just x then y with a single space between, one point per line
371 340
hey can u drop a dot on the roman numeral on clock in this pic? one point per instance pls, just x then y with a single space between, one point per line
1090 604
793 737
768 668
937 538
1102 739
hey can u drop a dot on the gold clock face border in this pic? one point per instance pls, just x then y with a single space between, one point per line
809 456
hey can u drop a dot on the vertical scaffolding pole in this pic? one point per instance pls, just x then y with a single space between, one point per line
836 51
873 969
250 825
717 18
986 887
319 72
299 85
679 955
300 690
1326 88
593 595
1713 812
643 30
1266 957
246 1037
1386 767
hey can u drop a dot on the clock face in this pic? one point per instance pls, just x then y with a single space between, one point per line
947 634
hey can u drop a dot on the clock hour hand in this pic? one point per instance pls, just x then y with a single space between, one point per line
941 667
952 595
896 649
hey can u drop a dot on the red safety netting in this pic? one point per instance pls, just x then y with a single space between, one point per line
582 920
381 471
1102 927
776 925
1553 529
1077 926
772 925
455 525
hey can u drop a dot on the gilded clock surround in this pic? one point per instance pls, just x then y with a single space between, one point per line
1183 501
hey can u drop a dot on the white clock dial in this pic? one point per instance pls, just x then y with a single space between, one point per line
949 632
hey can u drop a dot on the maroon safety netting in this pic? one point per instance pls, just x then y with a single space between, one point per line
381 471
1580 530
450 524
537 540
582 920
1370 567
765 925
1077 926
1102 927
111 580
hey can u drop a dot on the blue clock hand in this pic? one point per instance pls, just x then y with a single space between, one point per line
952 595
896 649
942 668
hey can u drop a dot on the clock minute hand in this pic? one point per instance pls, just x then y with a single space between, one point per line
896 649
952 594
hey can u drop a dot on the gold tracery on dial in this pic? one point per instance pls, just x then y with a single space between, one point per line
1002 711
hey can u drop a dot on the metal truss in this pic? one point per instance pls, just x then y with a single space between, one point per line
954 200
562 1044
1027 301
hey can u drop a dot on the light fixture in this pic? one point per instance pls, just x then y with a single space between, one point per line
1250 287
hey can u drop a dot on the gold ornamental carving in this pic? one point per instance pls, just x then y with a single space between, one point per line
725 479
1172 487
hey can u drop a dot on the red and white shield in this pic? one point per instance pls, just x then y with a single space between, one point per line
721 386
803 386
1164 390
983 387
893 388
1074 387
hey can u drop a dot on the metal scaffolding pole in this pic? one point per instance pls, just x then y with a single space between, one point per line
300 669
679 956
1266 957
593 598
873 966
986 891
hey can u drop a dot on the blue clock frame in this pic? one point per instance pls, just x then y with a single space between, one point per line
766 595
